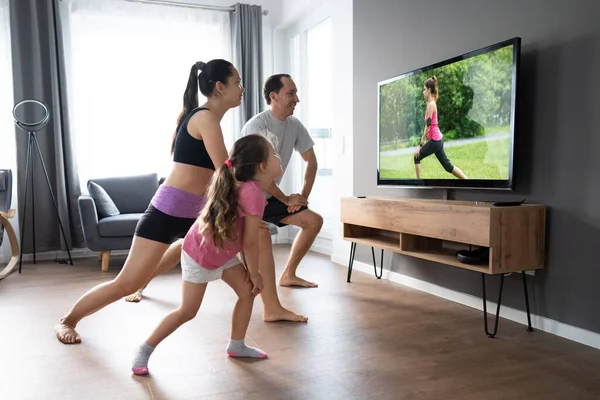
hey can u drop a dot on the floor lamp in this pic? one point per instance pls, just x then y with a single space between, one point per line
33 147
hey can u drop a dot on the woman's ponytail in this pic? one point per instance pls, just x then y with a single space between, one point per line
190 97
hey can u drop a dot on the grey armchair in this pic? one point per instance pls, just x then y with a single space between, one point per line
6 213
110 213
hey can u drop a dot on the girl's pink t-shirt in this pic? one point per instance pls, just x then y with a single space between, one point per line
251 201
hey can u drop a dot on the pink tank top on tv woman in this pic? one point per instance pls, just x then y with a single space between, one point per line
434 130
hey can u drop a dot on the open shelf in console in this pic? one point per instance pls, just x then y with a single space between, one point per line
426 248
377 238
437 250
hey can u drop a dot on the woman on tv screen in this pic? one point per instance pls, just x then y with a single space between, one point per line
435 139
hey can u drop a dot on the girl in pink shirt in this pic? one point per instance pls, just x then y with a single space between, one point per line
229 224
435 139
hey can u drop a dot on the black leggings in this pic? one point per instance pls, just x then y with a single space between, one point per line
435 147
158 226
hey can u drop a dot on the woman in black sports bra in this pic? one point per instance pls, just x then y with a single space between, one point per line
197 147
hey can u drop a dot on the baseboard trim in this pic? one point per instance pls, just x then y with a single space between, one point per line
287 235
279 239
322 246
319 246
548 325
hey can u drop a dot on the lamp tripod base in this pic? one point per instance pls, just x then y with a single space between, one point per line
33 147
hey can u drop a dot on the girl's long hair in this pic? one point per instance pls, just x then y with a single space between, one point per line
219 215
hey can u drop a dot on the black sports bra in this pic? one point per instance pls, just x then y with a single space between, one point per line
188 149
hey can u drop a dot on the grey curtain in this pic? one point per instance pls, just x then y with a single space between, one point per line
39 73
246 36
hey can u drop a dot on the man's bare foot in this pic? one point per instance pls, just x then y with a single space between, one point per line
286 280
136 297
283 314
66 333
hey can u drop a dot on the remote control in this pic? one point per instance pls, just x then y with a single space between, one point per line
507 203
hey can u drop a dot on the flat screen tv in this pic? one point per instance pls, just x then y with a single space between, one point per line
475 130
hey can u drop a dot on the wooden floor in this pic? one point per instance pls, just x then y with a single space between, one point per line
369 339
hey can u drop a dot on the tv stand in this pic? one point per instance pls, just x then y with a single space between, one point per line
435 230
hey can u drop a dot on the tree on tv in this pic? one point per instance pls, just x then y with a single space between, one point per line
473 94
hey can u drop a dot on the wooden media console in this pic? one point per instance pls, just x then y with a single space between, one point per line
435 230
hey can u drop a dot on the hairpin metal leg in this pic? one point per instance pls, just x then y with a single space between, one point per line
485 317
351 261
375 265
529 328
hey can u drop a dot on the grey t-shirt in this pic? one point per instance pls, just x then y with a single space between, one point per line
291 135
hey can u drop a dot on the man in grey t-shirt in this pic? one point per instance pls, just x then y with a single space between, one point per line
280 93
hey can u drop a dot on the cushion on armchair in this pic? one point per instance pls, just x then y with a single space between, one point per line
131 194
104 204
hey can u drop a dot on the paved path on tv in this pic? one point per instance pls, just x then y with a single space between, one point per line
451 143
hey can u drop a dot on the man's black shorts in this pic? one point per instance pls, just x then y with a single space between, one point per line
275 211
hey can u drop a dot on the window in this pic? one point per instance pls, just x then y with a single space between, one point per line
315 81
128 64
295 61
320 92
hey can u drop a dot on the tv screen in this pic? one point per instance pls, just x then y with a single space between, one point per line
460 137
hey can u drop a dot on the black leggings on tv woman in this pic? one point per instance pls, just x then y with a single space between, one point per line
435 147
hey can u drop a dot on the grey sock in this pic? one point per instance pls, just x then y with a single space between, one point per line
237 348
140 362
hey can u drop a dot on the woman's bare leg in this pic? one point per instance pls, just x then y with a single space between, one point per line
169 260
143 256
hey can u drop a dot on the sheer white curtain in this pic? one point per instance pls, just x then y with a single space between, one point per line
8 152
128 64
